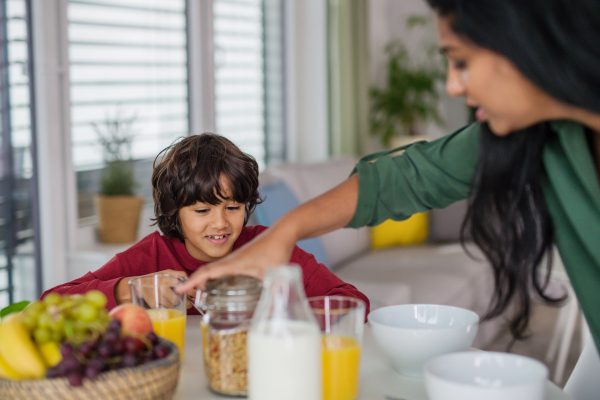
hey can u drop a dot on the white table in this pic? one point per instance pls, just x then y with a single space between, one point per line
378 381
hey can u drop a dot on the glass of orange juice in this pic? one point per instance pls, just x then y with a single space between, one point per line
341 320
166 308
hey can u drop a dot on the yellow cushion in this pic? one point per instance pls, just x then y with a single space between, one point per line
393 233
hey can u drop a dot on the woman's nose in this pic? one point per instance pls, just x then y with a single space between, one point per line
455 83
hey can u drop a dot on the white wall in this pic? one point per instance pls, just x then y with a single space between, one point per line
69 250
307 71
386 23
307 119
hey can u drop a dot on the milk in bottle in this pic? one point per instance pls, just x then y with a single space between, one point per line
284 341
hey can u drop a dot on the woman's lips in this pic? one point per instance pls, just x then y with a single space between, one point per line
218 239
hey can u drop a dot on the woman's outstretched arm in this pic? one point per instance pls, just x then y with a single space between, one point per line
330 211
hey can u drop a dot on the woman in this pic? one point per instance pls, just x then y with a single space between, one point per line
530 165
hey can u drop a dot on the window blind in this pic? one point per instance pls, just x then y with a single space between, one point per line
240 74
128 61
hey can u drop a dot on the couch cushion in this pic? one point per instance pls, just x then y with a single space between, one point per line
308 181
436 274
445 223
279 199
411 231
383 294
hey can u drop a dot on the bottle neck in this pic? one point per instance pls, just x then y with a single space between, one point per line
283 297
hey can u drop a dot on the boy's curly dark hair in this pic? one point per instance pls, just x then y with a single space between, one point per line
189 170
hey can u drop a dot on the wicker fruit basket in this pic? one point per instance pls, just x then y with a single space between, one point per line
152 381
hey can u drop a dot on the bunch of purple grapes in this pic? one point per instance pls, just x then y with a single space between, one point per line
108 351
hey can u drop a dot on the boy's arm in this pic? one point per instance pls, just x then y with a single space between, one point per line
104 279
112 280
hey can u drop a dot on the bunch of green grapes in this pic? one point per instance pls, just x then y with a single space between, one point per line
70 317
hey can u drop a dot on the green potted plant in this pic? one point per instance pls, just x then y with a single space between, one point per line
118 207
411 94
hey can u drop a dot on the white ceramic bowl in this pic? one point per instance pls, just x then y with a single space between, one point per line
412 334
476 375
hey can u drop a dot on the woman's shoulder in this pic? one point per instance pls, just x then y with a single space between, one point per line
454 146
466 136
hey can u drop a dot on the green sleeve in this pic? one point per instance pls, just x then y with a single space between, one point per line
398 183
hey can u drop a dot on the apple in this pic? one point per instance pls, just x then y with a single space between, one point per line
134 319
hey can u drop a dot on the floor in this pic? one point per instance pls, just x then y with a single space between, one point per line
536 345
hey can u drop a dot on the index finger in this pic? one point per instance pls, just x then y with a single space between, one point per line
198 279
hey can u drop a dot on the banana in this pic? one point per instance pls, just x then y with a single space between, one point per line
18 350
6 371
50 352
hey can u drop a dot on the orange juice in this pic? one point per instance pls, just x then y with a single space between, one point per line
341 359
169 324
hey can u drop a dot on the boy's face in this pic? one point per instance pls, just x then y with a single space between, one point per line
210 231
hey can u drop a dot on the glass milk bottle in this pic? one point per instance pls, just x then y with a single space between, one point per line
284 341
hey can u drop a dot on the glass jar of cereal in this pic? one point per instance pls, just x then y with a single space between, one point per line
228 304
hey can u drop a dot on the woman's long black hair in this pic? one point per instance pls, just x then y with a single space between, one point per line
554 43
509 221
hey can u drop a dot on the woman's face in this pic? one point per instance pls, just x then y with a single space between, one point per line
490 83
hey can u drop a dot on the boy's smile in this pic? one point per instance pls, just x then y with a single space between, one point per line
210 231
218 239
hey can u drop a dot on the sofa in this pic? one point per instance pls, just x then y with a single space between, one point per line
438 271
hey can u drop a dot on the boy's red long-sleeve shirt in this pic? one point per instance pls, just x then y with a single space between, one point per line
156 253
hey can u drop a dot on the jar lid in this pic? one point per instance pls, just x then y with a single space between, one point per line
234 285
232 292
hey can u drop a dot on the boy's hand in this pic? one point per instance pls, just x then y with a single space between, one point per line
123 292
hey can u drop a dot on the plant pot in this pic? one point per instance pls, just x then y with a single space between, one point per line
118 218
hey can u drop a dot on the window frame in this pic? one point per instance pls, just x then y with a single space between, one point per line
306 122
61 231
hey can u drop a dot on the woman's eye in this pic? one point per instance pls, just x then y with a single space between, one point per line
233 208
202 211
459 64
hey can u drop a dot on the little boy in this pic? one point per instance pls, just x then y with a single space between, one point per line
204 190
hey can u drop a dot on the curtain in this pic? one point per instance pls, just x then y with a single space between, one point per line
348 76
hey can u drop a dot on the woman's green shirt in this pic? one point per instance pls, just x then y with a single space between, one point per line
398 183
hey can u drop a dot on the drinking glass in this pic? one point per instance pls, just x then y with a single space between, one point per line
341 320
167 309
